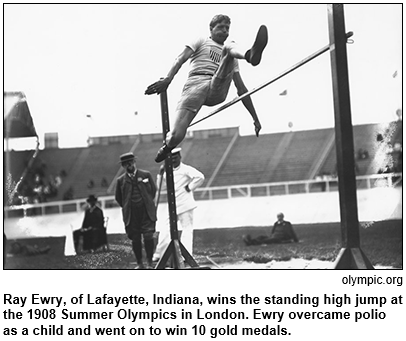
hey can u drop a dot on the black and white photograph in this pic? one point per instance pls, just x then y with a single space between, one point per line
202 136
210 171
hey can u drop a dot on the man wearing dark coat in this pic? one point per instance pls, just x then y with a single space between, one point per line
92 230
135 192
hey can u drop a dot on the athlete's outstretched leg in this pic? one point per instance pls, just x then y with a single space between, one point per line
221 81
252 56
177 134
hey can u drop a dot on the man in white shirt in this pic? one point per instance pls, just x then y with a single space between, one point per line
186 179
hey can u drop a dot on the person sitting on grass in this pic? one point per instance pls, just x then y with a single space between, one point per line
282 232
92 231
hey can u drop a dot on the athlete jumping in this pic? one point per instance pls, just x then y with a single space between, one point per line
213 65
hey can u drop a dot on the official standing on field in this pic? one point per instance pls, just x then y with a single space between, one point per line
135 192
186 179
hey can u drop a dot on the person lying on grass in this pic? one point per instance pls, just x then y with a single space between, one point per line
282 232
18 249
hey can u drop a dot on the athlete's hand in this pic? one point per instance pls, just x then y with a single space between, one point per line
162 170
258 127
158 87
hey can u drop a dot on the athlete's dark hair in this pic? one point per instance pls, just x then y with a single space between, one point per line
219 18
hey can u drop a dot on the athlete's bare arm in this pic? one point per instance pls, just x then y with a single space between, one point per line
242 89
163 83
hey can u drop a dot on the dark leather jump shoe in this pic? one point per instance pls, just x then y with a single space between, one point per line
253 55
163 152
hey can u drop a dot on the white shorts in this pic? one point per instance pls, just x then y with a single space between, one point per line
202 90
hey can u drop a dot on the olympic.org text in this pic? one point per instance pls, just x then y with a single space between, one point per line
372 280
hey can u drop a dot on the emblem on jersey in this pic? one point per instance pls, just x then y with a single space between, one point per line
215 55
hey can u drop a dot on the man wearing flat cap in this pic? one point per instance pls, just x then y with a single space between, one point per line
135 192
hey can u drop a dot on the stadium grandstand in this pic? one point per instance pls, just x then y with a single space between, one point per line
223 155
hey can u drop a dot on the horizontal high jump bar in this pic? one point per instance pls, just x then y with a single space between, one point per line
284 73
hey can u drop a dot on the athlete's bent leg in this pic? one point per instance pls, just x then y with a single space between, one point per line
229 53
220 83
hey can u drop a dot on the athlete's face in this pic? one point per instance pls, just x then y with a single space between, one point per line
219 33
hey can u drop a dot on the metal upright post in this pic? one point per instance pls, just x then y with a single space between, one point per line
351 255
175 247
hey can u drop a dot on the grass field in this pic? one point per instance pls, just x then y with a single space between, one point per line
380 241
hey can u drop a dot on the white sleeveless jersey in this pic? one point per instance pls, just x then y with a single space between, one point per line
206 56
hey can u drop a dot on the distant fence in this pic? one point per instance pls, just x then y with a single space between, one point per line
329 184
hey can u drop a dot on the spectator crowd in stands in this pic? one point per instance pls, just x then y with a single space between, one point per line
38 187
